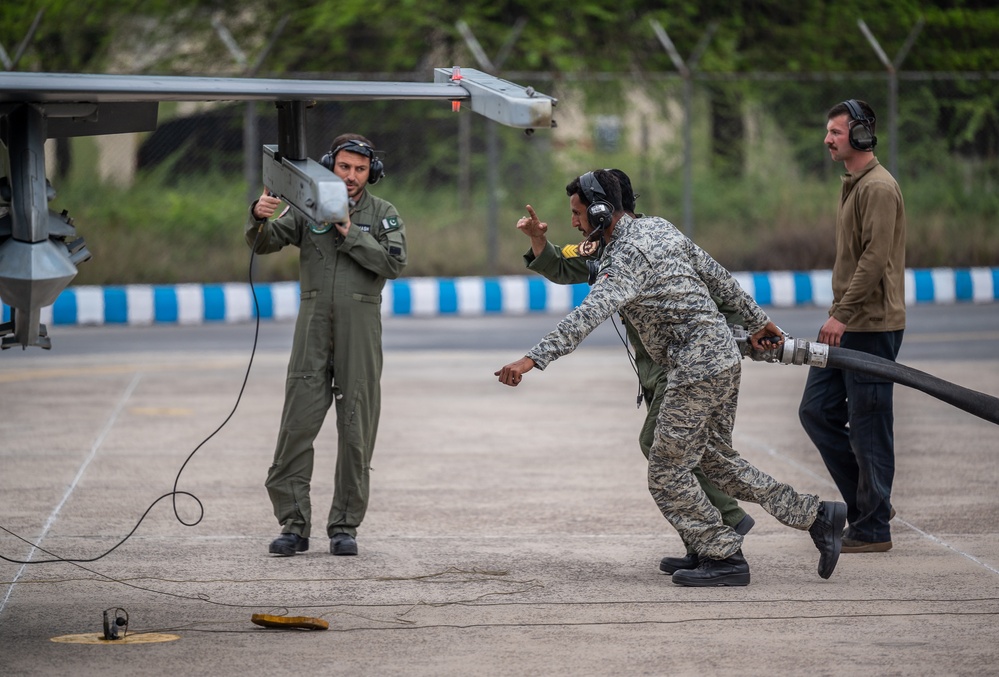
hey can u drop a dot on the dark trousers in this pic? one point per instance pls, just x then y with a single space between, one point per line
849 418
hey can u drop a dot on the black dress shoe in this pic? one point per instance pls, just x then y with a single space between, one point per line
827 534
732 571
288 544
343 544
668 565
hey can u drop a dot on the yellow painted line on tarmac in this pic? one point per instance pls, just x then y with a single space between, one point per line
21 375
138 638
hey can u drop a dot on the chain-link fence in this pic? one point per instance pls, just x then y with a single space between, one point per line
737 161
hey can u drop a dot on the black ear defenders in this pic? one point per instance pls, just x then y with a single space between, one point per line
861 131
599 212
361 148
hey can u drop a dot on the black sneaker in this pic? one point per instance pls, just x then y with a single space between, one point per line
827 534
288 544
343 544
669 565
733 571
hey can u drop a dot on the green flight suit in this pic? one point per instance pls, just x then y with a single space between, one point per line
336 356
566 266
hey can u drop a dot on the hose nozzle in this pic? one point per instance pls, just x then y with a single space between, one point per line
792 351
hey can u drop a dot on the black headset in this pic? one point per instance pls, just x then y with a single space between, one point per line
861 127
361 148
599 212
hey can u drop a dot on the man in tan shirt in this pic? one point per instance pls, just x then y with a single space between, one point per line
847 415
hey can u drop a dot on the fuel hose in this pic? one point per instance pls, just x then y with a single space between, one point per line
980 404
815 354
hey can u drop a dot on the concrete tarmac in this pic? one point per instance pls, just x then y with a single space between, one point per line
510 531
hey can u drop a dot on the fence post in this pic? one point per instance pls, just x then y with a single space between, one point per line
892 67
11 63
687 70
252 157
492 142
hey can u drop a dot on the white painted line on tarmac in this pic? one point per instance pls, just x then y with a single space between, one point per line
947 545
771 451
72 486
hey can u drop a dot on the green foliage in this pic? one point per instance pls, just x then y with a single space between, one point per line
561 36
80 35
161 229
958 36
755 207
165 230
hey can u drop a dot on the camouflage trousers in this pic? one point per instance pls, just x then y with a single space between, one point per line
694 427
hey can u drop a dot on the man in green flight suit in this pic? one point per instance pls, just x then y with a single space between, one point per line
568 265
336 355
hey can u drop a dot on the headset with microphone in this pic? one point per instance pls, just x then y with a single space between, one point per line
361 148
861 127
600 211
599 214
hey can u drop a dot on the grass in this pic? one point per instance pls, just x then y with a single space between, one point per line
168 229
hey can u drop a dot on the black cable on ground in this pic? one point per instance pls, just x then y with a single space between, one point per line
174 493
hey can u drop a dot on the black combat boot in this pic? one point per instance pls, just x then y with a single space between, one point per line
670 565
287 544
343 544
732 570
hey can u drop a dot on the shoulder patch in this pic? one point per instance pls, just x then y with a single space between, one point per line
390 223
570 251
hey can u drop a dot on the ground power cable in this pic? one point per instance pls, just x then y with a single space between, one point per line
399 622
174 493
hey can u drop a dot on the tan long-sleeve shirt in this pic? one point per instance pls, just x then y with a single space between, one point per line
868 277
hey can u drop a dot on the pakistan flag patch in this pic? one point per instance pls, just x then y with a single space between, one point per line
391 223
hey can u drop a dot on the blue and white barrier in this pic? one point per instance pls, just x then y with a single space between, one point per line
461 296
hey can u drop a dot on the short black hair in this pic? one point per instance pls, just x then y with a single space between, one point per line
628 196
608 183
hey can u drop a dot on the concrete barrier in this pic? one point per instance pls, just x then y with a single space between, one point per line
469 296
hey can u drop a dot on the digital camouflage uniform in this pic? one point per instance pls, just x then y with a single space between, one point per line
336 356
663 284
567 266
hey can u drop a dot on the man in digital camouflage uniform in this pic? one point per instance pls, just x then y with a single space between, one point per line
663 284
336 355
570 265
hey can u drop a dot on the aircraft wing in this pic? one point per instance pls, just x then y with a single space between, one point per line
39 249
66 94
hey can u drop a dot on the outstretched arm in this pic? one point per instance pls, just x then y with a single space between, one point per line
513 373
